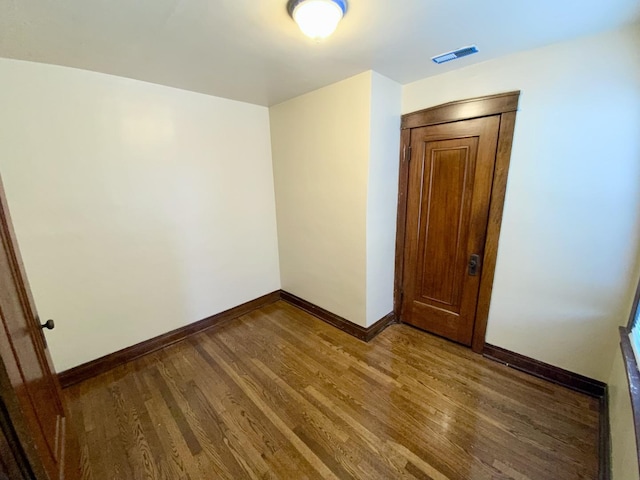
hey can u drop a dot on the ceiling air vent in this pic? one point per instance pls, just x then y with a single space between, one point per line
461 52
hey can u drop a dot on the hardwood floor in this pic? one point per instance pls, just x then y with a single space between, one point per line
279 394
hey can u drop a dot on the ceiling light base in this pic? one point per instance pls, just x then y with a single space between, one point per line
292 4
317 19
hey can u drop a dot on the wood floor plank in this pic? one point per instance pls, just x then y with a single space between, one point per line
176 412
210 398
313 425
318 425
133 436
298 444
245 427
278 394
175 448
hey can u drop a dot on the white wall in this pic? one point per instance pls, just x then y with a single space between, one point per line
572 216
138 208
320 145
335 156
382 195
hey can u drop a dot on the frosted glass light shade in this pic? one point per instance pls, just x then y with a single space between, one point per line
318 18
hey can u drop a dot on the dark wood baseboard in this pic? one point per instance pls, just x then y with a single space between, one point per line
103 364
363 333
548 372
574 381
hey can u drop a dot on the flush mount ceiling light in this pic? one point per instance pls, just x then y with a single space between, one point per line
317 18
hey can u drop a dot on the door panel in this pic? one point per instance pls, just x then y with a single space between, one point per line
27 362
445 215
449 190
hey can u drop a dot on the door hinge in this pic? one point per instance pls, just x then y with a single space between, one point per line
407 153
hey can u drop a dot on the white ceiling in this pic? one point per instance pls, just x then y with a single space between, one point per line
251 50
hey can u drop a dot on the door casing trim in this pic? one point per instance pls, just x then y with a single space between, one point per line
505 105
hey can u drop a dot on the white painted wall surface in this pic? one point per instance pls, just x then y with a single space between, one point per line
382 195
320 145
138 208
572 216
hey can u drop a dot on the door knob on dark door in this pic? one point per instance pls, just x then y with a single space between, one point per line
49 324
474 264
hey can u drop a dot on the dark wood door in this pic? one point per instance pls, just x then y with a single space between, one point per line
449 192
32 392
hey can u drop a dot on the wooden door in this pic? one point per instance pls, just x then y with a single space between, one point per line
449 191
31 392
